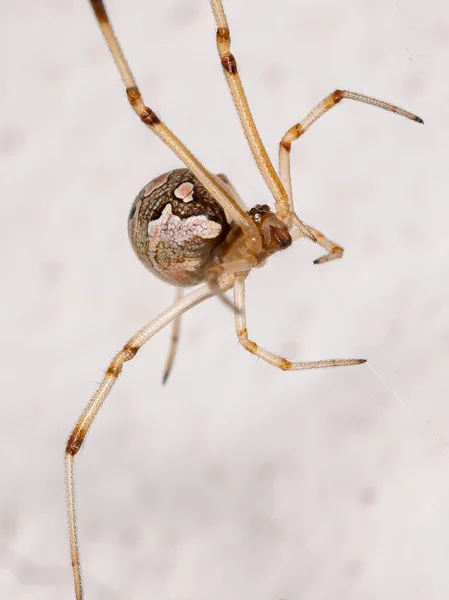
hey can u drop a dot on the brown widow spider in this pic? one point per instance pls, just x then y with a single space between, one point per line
189 226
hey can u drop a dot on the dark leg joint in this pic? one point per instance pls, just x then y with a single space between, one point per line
223 34
149 117
338 96
114 369
133 95
99 10
229 64
333 99
75 442
129 352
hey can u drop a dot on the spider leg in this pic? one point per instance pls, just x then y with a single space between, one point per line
334 251
320 109
215 274
174 340
84 423
274 359
255 143
149 117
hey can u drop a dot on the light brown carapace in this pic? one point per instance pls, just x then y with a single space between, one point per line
190 226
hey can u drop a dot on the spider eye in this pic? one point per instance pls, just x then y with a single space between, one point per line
257 211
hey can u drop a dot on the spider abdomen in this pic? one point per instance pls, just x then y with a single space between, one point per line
175 226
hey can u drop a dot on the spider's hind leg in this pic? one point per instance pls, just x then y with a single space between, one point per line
174 341
334 251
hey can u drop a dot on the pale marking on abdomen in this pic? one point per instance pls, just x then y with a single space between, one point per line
168 235
185 191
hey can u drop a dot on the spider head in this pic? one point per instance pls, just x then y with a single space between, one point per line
275 234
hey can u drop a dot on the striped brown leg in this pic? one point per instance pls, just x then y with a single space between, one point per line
149 117
274 359
333 250
259 153
320 109
85 421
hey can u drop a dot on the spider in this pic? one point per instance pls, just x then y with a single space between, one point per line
189 226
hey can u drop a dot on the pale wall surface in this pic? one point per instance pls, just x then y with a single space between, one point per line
235 481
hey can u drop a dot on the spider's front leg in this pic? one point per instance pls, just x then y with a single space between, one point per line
270 357
320 109
334 251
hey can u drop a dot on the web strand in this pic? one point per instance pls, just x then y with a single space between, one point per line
420 418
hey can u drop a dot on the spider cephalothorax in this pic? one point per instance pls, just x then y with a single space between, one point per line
274 233
189 226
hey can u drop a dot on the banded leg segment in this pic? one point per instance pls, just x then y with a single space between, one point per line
320 109
149 117
255 143
274 359
84 423
334 251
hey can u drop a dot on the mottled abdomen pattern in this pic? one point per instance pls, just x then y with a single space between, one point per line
175 226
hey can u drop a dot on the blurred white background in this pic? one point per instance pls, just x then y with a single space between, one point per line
234 481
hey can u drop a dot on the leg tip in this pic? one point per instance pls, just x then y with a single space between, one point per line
356 361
